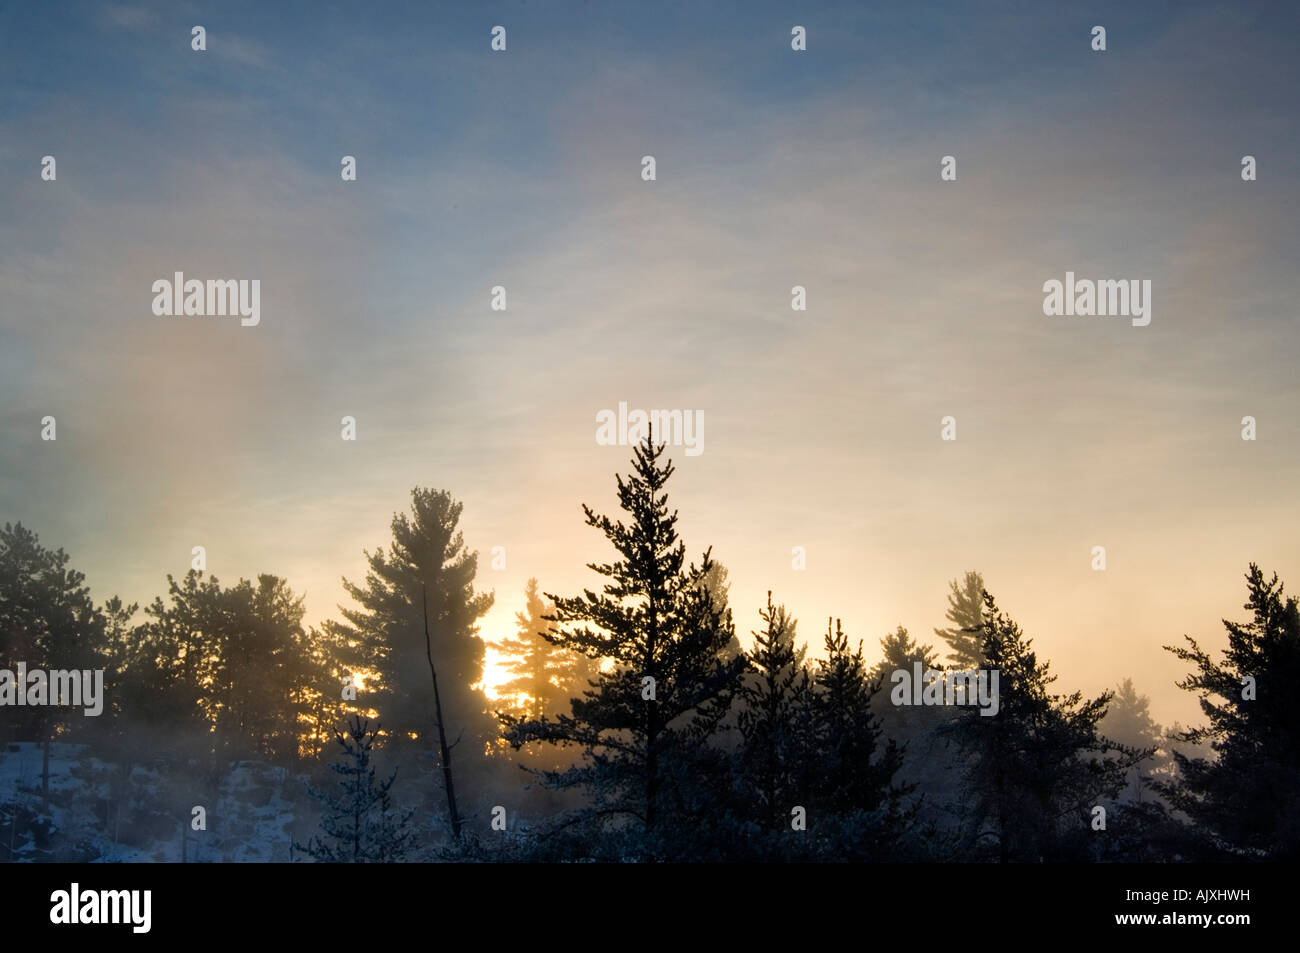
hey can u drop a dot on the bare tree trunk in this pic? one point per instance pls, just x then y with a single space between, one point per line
442 733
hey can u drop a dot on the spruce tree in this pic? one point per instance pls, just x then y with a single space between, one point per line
856 768
646 725
359 824
1038 766
774 721
1245 798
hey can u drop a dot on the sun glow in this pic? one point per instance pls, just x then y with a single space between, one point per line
494 674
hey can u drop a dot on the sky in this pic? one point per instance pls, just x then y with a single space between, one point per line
774 168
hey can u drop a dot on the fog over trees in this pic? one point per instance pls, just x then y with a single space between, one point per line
632 721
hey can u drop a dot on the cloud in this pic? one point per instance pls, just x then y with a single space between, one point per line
242 50
125 17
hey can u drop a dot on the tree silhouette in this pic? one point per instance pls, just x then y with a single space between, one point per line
668 687
775 721
47 621
384 637
545 675
900 651
1245 798
360 824
1037 767
965 637
1128 721
856 766
228 669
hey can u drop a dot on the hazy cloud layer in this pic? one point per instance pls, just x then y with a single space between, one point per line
774 169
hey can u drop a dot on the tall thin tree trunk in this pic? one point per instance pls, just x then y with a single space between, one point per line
442 733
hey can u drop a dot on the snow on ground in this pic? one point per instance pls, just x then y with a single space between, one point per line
95 814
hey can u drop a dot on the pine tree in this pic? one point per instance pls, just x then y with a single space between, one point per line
360 823
910 726
964 636
1128 721
646 725
384 638
165 663
1128 717
1038 766
263 677
1245 797
715 581
528 658
931 769
121 634
545 675
48 621
228 669
900 651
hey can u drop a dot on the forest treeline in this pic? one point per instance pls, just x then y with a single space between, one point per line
634 726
